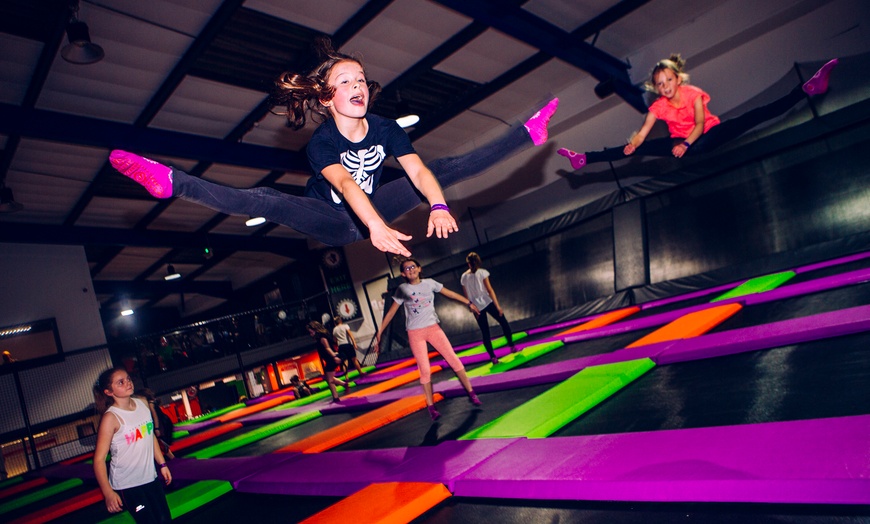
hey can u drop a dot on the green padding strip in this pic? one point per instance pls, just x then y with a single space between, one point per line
304 401
184 500
252 436
178 434
497 343
9 482
213 414
757 285
547 413
514 360
38 495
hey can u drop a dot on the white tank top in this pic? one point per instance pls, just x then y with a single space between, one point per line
132 448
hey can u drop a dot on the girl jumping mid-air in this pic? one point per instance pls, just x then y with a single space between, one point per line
693 129
127 430
475 282
418 296
347 154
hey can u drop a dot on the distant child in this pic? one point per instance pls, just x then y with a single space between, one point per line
475 282
418 297
328 357
300 387
346 345
127 430
693 129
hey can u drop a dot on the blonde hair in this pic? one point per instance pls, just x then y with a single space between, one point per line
675 63
302 94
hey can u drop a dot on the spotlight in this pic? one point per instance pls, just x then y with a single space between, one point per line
255 221
80 50
126 312
406 117
7 202
171 273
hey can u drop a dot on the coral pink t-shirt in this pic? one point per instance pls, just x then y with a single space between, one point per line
681 120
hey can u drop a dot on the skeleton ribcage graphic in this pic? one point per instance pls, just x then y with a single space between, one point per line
362 165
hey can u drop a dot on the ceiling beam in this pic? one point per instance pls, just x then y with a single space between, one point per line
109 236
151 288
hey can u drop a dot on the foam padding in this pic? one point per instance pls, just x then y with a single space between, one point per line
199 438
547 413
256 408
603 320
36 496
21 486
691 325
757 285
392 383
184 500
62 508
819 461
231 469
514 360
209 416
255 435
358 426
403 364
497 343
387 503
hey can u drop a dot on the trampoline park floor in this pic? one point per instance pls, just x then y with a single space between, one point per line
699 431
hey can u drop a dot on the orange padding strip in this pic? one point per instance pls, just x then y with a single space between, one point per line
603 320
198 438
23 486
393 383
387 503
690 325
365 423
64 507
256 408
401 365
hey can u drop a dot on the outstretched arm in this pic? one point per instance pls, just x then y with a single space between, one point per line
459 298
382 237
440 220
387 319
641 135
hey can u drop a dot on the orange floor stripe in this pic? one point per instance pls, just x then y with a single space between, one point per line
690 325
198 438
62 508
386 503
365 423
22 487
402 365
256 408
392 383
603 320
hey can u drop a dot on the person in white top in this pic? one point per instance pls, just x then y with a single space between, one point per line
127 430
475 282
346 345
417 295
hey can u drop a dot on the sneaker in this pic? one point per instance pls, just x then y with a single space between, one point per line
335 400
153 176
472 397
578 160
818 84
433 413
494 361
537 125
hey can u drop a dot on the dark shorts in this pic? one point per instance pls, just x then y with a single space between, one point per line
329 365
147 503
347 352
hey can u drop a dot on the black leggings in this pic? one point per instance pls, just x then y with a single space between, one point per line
484 327
715 137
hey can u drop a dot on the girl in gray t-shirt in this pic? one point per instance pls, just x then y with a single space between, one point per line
418 297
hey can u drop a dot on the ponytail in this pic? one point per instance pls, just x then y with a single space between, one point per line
102 402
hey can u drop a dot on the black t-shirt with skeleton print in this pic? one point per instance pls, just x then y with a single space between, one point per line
364 160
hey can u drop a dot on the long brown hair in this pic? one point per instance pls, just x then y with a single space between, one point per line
102 402
301 94
473 261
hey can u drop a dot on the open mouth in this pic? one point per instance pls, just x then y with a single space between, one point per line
357 100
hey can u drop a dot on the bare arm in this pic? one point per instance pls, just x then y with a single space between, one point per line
680 149
641 135
459 298
382 237
108 426
491 292
440 221
162 468
350 337
387 319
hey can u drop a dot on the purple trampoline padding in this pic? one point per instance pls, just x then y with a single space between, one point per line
324 473
687 296
199 426
775 334
268 396
232 469
832 262
821 461
562 325
813 286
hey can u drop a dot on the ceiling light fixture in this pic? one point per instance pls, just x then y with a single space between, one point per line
7 202
406 117
126 312
80 50
255 221
171 273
